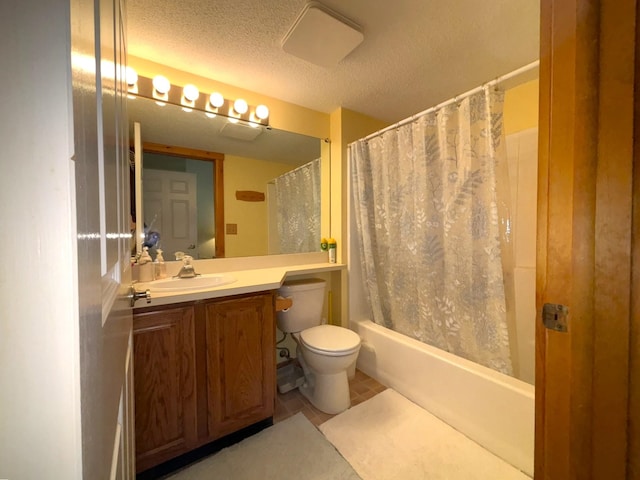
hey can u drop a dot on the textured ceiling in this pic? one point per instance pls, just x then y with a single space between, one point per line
415 53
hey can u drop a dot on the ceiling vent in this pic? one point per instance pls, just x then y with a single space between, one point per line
240 131
322 36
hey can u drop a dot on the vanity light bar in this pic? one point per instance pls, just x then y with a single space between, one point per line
190 98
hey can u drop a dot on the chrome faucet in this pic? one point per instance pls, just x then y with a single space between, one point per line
187 270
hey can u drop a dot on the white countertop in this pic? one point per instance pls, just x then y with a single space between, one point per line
247 281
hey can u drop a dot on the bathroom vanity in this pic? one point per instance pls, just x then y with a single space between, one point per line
203 370
204 362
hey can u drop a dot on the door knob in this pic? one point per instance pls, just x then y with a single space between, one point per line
135 295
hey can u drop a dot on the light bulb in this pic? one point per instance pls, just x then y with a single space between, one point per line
190 92
262 112
240 106
131 76
161 84
216 100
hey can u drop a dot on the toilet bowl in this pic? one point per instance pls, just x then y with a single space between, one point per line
325 352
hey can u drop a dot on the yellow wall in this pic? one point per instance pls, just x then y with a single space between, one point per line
284 115
521 107
251 217
346 127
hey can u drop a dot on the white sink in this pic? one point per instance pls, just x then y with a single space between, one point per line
201 282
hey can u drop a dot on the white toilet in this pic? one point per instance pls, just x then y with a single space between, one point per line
325 352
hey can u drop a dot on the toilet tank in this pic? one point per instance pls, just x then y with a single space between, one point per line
308 299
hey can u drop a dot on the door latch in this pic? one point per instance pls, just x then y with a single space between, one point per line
554 317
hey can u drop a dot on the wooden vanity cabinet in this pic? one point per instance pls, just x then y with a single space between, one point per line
241 362
164 362
202 370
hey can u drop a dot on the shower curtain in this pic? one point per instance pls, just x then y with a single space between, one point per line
298 208
429 216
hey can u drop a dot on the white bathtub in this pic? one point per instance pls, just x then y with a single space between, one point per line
494 410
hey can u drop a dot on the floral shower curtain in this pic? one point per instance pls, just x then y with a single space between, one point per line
298 208
429 226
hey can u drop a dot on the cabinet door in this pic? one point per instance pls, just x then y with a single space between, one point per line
164 376
240 361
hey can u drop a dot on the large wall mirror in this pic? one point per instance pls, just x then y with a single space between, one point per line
271 180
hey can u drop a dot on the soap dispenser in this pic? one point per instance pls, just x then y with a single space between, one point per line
160 269
145 266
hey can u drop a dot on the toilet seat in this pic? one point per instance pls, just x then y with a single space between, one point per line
330 340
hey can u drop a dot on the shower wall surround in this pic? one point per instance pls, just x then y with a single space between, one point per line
522 155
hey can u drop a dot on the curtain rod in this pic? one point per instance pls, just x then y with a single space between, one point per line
491 83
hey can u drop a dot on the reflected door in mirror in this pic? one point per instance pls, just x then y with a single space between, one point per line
170 211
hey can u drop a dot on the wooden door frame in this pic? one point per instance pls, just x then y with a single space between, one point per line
218 180
633 457
587 393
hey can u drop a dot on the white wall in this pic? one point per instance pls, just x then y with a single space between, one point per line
39 378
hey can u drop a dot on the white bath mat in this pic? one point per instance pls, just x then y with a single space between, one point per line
293 448
389 437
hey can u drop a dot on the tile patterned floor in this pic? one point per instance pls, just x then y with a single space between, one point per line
361 387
